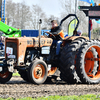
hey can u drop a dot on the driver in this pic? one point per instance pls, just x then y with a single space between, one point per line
56 30
58 33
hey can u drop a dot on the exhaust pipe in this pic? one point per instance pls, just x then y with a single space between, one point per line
40 21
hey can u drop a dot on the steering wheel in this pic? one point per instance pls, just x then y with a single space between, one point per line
52 36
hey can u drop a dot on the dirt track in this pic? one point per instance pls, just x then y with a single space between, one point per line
16 88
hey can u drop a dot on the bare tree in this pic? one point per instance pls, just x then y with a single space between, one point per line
18 14
37 13
17 17
9 11
25 15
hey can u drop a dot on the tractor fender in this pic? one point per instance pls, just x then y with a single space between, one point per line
74 37
69 39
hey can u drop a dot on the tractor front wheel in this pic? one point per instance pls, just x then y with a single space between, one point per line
38 72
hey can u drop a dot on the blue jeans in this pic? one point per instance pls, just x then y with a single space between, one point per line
58 43
58 47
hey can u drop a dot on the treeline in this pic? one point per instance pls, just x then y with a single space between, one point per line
22 16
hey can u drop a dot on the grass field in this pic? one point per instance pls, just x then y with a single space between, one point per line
16 74
82 97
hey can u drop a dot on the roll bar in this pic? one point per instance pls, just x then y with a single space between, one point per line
68 17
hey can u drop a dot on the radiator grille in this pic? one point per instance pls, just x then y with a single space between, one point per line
12 45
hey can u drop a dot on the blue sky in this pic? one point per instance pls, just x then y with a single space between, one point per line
50 7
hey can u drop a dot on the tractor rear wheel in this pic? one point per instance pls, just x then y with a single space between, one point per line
5 76
87 69
38 72
67 61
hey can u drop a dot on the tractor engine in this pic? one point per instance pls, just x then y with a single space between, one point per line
21 50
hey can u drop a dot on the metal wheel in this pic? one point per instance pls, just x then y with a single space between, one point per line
5 76
85 63
38 72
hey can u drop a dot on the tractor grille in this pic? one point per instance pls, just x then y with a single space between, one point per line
13 48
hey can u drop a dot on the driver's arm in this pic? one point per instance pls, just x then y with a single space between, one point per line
47 32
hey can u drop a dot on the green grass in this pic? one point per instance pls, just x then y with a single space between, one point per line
74 97
16 74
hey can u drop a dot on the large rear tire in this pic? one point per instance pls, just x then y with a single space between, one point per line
67 59
38 72
87 69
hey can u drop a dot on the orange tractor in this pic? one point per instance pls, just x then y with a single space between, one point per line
78 59
29 55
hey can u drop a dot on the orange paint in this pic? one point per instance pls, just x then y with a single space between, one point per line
39 71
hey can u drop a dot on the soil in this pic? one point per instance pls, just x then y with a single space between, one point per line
17 88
